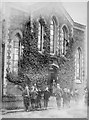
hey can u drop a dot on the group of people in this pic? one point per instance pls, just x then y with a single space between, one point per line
63 96
33 97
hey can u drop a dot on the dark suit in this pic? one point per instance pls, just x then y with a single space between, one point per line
39 98
25 99
33 99
46 98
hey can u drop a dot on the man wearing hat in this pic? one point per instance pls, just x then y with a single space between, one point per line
46 97
25 95
34 97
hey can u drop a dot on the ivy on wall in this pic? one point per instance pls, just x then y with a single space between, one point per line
33 66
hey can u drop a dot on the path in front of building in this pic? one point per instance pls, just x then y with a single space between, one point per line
78 110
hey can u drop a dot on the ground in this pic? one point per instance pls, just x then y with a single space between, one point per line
76 110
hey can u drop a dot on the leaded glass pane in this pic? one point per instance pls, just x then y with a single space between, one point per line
16 57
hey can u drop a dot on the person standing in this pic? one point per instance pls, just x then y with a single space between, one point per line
68 96
88 98
85 96
25 95
33 97
58 94
54 87
46 97
39 98
76 95
64 97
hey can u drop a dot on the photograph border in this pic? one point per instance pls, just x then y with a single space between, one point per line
87 80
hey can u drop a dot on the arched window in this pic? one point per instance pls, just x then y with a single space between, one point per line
40 37
64 40
52 36
78 65
16 52
61 42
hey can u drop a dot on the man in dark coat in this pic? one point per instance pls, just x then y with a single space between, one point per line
33 97
46 97
39 98
25 95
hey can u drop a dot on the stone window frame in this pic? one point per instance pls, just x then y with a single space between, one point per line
64 39
40 37
53 33
41 33
78 65
19 36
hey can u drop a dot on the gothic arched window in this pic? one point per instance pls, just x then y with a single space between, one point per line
64 40
78 65
16 52
52 36
40 37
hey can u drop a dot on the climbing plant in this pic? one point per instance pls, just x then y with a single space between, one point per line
33 66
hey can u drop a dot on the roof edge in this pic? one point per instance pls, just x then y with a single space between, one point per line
78 25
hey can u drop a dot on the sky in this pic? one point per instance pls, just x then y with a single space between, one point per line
77 9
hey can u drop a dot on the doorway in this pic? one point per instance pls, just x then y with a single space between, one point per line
53 76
